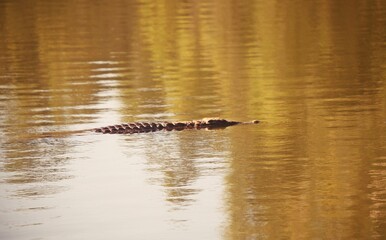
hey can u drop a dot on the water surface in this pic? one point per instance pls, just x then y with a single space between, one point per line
314 73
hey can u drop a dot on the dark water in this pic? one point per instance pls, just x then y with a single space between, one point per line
313 72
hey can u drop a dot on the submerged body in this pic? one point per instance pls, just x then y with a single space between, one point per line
139 127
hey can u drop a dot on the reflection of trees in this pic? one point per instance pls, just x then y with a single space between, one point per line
179 171
307 186
314 184
180 159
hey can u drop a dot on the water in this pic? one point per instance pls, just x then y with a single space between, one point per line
312 72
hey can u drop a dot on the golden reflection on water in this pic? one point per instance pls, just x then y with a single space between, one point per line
313 72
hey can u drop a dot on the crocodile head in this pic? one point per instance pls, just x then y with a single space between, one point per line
218 122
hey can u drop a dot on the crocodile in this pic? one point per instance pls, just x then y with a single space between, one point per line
141 127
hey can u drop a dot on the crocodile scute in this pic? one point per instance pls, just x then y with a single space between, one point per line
141 127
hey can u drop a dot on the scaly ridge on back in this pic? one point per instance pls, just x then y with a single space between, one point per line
139 127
